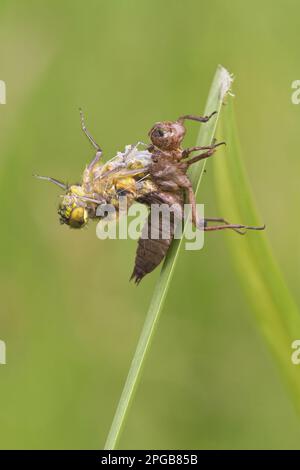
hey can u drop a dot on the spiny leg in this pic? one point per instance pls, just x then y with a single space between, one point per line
223 221
186 184
92 141
236 227
83 127
202 224
204 155
192 201
52 180
196 118
188 151
199 157
95 160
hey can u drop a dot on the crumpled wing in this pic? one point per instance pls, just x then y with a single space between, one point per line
124 172
152 250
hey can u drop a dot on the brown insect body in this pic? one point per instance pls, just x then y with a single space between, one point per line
151 251
168 172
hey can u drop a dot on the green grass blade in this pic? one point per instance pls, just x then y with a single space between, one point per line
276 313
219 88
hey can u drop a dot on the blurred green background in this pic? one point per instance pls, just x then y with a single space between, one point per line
69 316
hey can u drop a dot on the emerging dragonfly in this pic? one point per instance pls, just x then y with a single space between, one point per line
154 175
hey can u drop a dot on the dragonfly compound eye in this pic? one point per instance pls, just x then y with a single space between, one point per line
158 133
75 217
78 217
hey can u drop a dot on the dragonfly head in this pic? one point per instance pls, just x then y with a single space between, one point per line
72 209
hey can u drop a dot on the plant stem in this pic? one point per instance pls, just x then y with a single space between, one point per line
219 88
275 311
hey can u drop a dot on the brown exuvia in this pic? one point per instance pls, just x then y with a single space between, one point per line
168 170
157 175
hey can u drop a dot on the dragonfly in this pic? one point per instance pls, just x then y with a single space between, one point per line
154 173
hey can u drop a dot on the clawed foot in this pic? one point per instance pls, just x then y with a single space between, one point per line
202 224
211 115
215 144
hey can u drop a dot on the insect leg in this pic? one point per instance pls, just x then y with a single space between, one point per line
202 156
223 221
236 227
91 139
186 152
202 224
95 160
186 184
196 118
192 201
52 180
